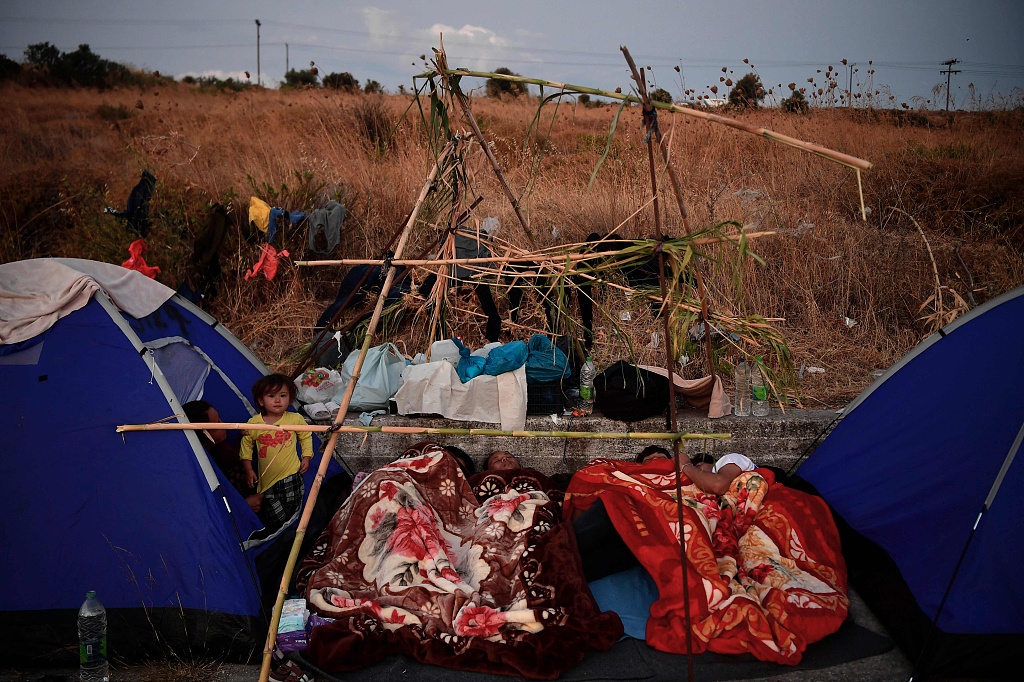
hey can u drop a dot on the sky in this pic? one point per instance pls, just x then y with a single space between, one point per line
904 42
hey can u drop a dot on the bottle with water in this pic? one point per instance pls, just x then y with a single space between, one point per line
759 406
92 640
587 393
741 378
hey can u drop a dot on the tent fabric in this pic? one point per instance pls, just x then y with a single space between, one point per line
34 294
923 467
145 519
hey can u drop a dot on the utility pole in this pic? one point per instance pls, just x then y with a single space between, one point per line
949 72
849 85
286 69
259 81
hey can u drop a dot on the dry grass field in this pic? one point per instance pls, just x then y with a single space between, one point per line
944 230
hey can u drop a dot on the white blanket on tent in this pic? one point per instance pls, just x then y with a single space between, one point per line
435 388
34 294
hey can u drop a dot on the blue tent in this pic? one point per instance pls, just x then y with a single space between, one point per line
922 474
144 518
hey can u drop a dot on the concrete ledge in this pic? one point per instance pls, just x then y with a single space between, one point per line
777 440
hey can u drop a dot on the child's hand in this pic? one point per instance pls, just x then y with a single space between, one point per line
251 478
304 465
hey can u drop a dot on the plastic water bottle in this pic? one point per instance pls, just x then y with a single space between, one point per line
759 406
741 377
92 640
587 392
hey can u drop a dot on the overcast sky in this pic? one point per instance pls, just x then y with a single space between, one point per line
573 41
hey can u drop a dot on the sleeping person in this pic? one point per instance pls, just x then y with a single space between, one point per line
418 564
764 573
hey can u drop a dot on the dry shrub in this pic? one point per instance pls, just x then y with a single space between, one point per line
66 156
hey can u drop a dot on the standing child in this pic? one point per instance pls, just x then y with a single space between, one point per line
280 469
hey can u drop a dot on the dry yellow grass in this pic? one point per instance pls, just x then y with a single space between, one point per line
68 153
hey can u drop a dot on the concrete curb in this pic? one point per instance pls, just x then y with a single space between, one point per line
779 439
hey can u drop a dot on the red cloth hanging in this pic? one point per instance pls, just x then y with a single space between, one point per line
269 258
137 262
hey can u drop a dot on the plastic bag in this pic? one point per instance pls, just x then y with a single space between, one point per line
318 385
379 379
507 358
546 362
469 365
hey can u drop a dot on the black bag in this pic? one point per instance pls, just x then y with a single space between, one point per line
627 393
545 398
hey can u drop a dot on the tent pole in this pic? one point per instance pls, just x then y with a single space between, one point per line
325 457
651 123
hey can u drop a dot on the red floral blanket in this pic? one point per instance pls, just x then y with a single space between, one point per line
414 564
765 570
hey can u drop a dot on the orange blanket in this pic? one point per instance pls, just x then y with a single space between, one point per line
764 567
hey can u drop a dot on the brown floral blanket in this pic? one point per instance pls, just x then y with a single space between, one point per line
416 564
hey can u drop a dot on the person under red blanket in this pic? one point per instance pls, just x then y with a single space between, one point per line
603 550
764 569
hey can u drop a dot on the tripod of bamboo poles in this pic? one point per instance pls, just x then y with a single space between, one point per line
307 511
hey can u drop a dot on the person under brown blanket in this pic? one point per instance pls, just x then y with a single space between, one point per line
416 564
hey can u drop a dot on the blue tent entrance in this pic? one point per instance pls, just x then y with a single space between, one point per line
145 519
923 471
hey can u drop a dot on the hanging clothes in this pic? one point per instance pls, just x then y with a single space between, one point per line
328 221
267 263
137 262
259 214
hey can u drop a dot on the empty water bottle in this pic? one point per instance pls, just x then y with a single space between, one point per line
759 406
587 393
741 378
92 640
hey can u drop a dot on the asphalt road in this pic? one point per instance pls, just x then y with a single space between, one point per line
892 666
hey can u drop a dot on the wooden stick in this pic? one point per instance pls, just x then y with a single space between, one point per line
824 152
425 430
307 510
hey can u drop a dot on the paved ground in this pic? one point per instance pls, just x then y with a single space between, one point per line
889 667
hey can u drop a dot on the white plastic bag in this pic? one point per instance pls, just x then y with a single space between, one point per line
379 379
318 385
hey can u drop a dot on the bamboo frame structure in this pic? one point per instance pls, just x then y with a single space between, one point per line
824 152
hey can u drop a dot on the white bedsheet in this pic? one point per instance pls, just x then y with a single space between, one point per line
435 388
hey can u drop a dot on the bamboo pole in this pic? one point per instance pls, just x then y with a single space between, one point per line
307 510
824 152
652 131
424 430
460 97
535 257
